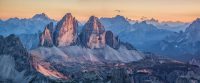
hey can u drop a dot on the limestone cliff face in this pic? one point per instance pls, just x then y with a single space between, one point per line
46 36
66 31
111 40
93 33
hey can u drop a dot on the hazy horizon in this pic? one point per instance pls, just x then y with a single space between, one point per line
83 21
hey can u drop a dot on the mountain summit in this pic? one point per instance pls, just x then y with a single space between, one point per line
120 17
46 36
93 33
66 31
193 31
41 16
116 24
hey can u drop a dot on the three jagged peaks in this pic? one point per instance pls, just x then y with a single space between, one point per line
93 34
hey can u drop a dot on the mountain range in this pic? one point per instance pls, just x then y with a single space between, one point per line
184 44
105 50
55 65
25 26
168 25
92 36
63 45
144 35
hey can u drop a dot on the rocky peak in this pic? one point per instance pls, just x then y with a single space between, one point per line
143 22
121 20
41 16
144 26
194 25
13 19
66 31
93 33
197 20
67 17
16 64
111 40
153 20
120 17
46 36
94 25
193 31
116 24
10 45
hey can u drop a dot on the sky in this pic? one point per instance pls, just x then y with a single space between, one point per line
163 10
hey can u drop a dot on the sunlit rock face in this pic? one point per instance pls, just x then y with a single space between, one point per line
66 31
93 33
46 36
11 45
18 66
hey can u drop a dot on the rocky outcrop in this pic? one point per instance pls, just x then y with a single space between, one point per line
42 17
66 31
192 33
111 40
16 64
46 36
14 58
11 45
116 24
93 33
182 46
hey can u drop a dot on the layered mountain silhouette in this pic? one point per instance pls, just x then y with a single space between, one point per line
18 65
105 50
24 26
185 44
90 42
66 31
